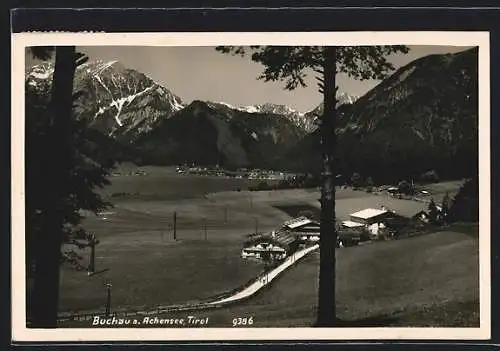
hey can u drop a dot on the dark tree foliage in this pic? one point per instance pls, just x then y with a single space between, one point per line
369 182
42 52
445 206
429 177
356 180
465 204
406 187
291 65
89 167
64 165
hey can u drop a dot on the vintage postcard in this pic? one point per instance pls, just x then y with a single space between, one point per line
250 186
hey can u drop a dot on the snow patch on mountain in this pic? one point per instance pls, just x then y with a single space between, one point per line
132 101
41 75
98 78
250 109
227 105
177 106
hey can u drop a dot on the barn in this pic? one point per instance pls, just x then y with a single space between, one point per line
276 245
307 231
371 218
303 228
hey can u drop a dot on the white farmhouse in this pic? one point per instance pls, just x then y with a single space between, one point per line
372 219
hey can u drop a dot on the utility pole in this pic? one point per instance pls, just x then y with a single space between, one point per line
205 227
256 225
108 299
175 225
92 243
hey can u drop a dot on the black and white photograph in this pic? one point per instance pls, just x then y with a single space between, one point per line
270 186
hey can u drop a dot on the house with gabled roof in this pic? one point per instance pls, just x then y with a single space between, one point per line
305 229
275 245
371 219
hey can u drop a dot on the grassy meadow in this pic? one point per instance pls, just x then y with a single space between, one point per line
147 268
431 280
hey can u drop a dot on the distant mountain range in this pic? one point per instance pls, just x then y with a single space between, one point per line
157 127
424 116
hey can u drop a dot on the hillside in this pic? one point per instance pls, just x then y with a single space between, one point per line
397 283
207 134
135 111
424 116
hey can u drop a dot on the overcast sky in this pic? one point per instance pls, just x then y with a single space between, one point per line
202 73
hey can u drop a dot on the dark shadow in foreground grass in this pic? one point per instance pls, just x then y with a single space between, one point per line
369 322
468 228
451 314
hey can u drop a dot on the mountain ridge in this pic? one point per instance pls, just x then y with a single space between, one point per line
423 117
121 83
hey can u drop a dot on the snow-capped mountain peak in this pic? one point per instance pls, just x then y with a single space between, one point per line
120 100
305 121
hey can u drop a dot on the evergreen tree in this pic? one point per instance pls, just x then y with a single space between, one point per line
290 64
369 182
433 211
405 187
445 206
356 180
64 163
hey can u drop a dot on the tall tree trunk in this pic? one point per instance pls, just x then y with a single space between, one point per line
328 233
48 241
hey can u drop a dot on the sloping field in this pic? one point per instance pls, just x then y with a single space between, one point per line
138 256
430 280
147 267
155 274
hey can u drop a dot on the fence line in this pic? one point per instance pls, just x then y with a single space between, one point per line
213 302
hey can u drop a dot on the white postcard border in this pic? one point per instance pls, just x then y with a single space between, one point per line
22 40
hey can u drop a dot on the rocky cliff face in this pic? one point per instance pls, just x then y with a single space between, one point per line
119 101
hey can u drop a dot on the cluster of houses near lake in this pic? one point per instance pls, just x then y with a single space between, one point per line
241 173
365 225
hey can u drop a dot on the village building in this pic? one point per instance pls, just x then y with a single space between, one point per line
303 228
425 216
352 224
372 219
307 231
393 190
276 245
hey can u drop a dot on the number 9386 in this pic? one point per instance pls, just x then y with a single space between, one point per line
242 321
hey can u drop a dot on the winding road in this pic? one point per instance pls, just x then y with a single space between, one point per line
266 279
